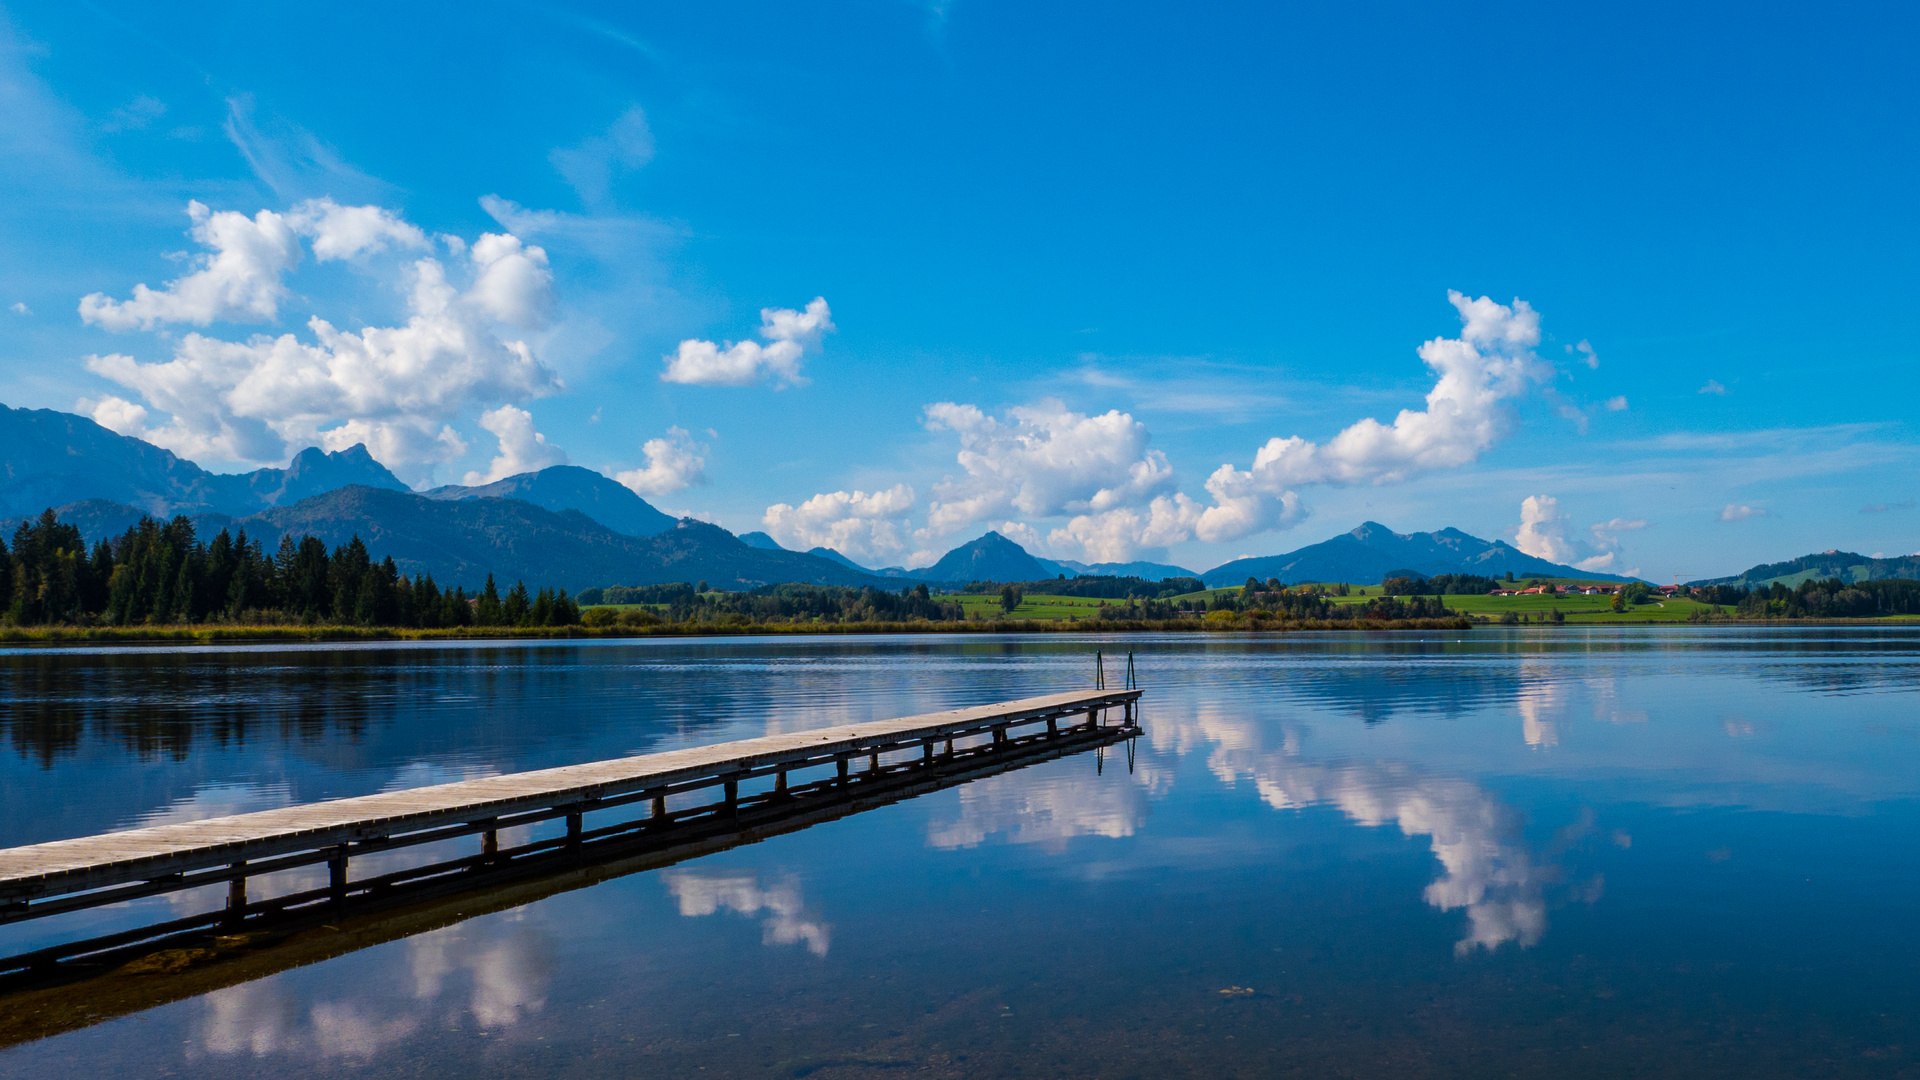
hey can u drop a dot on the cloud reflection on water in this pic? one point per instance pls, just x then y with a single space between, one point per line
503 966
702 893
1045 810
1487 868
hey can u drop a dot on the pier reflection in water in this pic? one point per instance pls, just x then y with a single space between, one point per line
1657 852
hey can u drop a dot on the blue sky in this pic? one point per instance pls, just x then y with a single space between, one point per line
1075 261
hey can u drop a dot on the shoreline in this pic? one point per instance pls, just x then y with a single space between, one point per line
205 635
54 637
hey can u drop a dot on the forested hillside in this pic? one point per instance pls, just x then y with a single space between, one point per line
162 573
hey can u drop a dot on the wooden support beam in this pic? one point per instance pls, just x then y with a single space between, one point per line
237 895
337 874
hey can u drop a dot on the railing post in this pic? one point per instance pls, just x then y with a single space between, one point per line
1099 671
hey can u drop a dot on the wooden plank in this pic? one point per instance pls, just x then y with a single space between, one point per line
83 863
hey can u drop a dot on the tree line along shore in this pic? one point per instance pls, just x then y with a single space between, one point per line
158 581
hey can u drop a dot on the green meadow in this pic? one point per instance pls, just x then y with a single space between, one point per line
1035 606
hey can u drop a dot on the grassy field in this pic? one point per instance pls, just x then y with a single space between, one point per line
1037 606
1576 608
1584 609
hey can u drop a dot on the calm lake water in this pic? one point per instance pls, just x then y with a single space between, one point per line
1611 852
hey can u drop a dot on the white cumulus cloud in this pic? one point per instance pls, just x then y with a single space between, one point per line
1617 404
522 449
396 388
674 462
1741 512
237 280
790 335
1042 461
862 526
1543 534
1122 534
345 232
1489 364
1543 530
511 282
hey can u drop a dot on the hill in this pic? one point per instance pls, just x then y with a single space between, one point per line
831 555
53 459
570 487
991 558
1367 553
461 541
1149 571
760 540
1845 565
97 519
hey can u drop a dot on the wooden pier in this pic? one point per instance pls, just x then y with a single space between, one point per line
40 880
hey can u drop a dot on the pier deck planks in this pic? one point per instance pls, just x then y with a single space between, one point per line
81 864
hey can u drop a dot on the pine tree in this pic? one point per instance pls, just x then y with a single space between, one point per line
489 612
518 605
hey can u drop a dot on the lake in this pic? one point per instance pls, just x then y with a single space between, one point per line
1617 851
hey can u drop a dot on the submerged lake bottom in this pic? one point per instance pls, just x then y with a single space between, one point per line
1592 852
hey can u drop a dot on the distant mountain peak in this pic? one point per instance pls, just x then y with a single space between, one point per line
834 556
314 471
570 487
992 557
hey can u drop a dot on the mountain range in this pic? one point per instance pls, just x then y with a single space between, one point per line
574 528
50 458
1369 552
996 552
461 541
